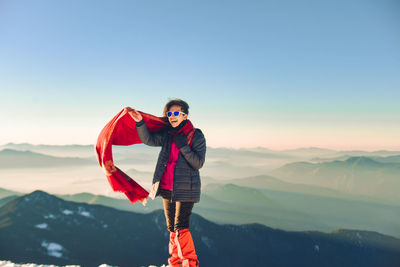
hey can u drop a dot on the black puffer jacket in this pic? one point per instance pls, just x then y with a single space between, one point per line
186 181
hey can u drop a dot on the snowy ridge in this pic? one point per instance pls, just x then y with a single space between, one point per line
11 264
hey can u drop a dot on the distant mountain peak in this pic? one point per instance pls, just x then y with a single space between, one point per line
39 196
310 149
26 152
39 192
15 151
11 143
364 235
362 160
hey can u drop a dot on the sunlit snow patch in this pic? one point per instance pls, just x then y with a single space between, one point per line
68 212
41 225
85 213
53 249
11 264
49 216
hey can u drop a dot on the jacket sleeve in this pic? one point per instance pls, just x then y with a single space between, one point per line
150 139
195 154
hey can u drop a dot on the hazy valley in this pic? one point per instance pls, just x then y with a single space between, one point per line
308 189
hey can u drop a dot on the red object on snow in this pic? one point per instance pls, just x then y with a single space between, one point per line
121 130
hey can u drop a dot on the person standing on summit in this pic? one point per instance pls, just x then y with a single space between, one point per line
176 178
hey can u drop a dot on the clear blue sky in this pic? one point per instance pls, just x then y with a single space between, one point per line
277 74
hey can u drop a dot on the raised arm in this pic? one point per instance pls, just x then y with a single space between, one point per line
151 139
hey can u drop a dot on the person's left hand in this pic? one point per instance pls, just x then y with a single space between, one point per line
180 140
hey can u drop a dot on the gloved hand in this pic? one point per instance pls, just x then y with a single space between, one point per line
180 140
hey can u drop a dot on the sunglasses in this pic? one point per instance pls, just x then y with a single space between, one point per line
176 113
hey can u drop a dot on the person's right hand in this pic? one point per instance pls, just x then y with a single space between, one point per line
134 114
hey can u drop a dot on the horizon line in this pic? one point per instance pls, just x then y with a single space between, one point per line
232 148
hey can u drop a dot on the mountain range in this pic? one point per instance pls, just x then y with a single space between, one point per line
39 227
292 190
281 208
224 163
356 175
16 159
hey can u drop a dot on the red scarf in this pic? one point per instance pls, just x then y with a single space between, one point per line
121 130
166 181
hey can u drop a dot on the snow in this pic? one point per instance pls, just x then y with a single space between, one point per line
53 249
49 216
83 212
4 263
67 212
41 225
11 264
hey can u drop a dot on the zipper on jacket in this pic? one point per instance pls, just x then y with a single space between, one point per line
173 174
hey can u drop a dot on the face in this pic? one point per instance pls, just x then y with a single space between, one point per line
175 121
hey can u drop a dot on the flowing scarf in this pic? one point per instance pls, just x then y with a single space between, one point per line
121 130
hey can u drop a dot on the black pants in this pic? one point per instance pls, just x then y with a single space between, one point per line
177 214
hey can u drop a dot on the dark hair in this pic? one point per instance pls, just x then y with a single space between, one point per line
179 102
